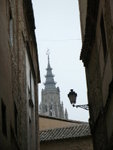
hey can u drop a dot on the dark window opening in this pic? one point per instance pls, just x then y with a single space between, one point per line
50 113
30 84
11 29
4 124
45 109
50 110
103 37
15 118
12 133
111 6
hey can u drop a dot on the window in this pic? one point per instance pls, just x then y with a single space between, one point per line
11 30
50 110
15 118
29 76
31 91
111 5
4 124
12 135
30 134
103 35
32 88
44 108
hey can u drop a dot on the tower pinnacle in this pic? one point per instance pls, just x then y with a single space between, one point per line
48 53
49 83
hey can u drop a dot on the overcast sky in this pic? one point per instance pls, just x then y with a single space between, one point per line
58 29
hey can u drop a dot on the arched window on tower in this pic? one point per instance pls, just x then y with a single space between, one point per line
50 110
44 108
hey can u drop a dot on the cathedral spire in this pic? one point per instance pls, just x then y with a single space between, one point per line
49 83
50 103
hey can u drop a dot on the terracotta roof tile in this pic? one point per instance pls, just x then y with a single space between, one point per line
65 133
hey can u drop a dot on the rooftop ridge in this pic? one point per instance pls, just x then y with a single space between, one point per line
61 119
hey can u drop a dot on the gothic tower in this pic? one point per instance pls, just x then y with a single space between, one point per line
50 101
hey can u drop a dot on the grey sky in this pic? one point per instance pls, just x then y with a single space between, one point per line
58 29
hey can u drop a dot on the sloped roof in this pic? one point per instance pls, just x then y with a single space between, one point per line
75 131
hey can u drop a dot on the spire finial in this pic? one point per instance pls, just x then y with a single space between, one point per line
48 53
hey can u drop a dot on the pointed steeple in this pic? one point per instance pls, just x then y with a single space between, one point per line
50 104
49 83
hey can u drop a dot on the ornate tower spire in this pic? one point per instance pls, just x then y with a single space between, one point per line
50 104
49 83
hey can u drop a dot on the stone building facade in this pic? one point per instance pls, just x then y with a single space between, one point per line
19 75
50 101
97 56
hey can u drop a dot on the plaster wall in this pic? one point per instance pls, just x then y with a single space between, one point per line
70 144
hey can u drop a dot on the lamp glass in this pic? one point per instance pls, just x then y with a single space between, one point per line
72 96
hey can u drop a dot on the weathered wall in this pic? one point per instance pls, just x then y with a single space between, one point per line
70 144
50 123
5 76
15 31
99 71
83 13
